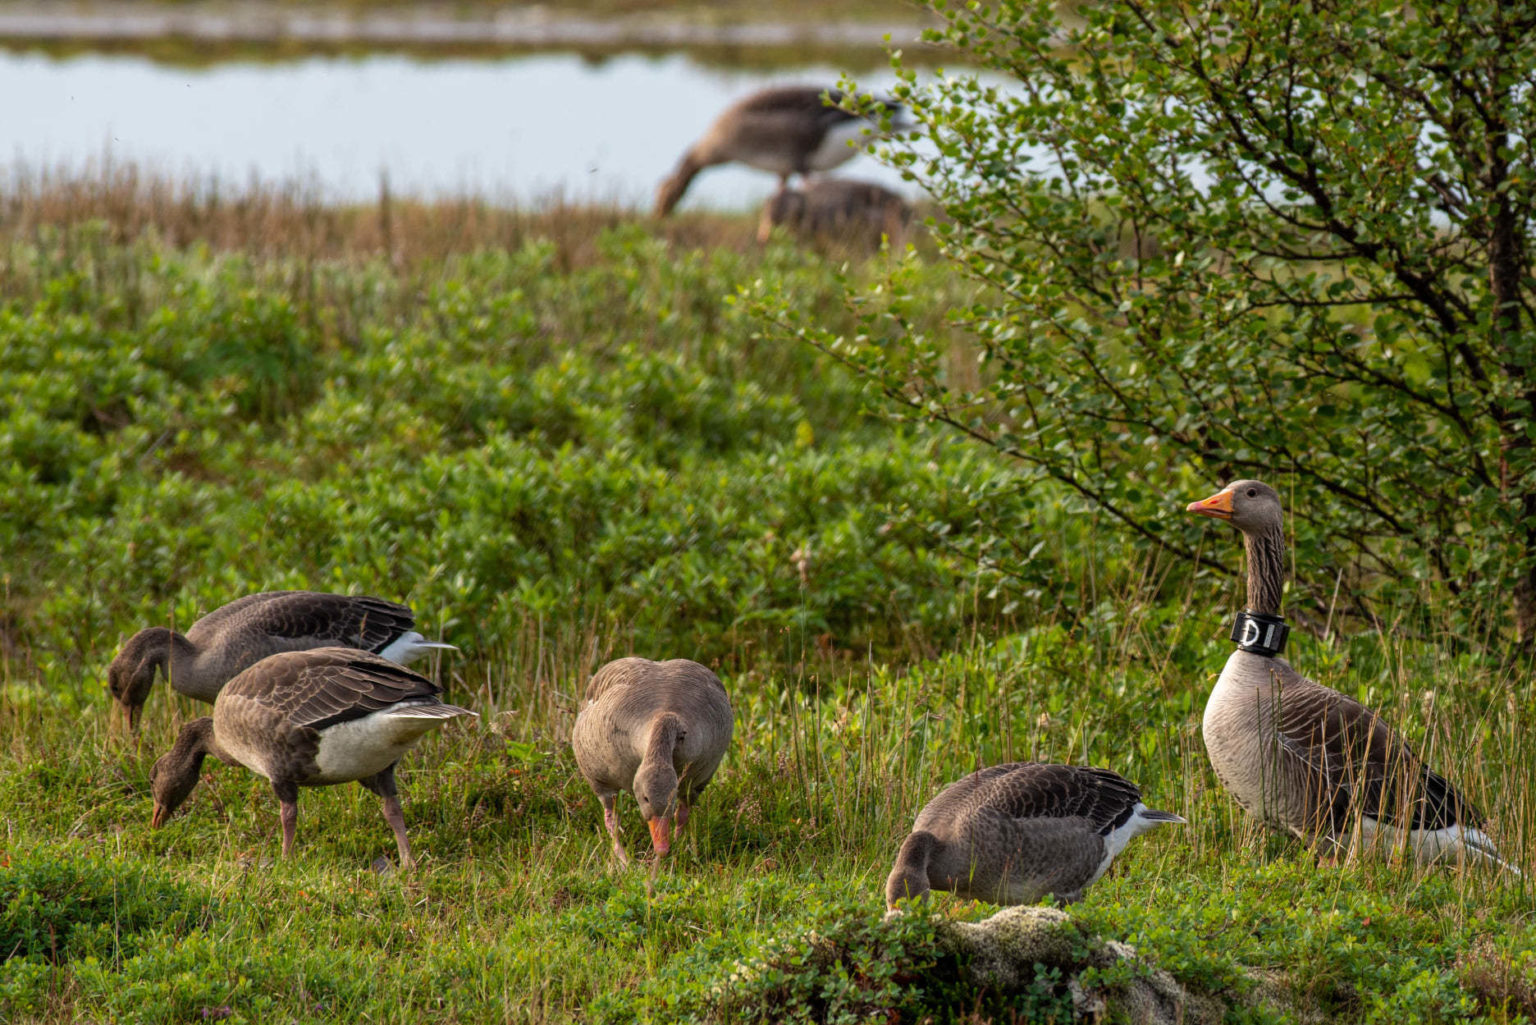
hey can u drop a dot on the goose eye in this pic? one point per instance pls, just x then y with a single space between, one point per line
1253 492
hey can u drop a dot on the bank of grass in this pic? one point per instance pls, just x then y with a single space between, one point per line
567 444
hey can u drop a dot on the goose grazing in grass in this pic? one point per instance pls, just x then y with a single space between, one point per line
786 130
307 719
1304 758
658 730
238 635
855 212
1013 833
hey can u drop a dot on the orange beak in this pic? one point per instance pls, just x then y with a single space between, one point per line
661 834
160 817
1218 505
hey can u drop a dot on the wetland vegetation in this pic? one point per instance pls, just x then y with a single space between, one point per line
569 434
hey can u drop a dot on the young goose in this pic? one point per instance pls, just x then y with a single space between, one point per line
1013 833
247 630
1302 757
787 130
656 729
855 212
307 719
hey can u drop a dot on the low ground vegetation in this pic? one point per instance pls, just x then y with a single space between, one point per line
574 443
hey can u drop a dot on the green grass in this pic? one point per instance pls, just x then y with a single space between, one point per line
562 452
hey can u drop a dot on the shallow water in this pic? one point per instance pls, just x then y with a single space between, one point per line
515 129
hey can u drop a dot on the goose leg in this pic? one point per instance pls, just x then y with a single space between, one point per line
288 812
611 820
383 784
396 819
681 821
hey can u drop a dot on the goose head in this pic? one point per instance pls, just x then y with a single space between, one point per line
174 775
132 672
656 780
1249 505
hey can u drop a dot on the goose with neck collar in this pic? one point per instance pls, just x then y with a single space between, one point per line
1304 758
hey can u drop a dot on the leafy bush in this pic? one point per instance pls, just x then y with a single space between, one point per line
1276 241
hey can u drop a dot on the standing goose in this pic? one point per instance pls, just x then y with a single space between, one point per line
238 635
1300 756
308 719
1013 833
787 130
656 729
855 212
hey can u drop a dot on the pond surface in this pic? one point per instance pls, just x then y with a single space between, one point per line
514 129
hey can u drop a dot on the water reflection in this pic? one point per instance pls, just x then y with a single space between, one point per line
514 129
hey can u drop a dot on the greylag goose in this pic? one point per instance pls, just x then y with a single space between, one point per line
854 211
656 729
306 719
1302 757
247 630
786 130
1011 834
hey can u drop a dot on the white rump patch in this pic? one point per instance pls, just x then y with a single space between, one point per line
410 646
359 748
835 148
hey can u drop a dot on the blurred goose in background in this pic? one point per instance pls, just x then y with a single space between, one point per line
786 130
855 212
1302 757
1012 833
658 730
305 719
238 635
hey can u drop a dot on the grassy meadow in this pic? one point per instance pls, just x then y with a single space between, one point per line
570 435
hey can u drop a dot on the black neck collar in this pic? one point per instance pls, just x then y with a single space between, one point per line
1260 633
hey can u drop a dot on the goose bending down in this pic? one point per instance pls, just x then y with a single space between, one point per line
306 719
238 635
658 730
1011 834
1302 757
853 211
786 130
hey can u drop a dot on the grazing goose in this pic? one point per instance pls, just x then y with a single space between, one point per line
852 211
1304 758
307 719
247 630
787 130
1013 833
656 729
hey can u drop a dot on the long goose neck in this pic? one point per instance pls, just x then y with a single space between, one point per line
1266 568
180 653
660 744
675 184
909 876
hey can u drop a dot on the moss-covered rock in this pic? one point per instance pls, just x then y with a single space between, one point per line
1019 948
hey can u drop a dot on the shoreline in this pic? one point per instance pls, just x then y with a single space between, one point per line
536 27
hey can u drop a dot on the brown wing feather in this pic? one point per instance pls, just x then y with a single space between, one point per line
1041 790
323 686
308 619
1360 765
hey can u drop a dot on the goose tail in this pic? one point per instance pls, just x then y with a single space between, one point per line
429 710
410 646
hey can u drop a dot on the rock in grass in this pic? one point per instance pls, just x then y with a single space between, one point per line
1025 963
1033 948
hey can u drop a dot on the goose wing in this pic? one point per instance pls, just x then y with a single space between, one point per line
1357 764
796 116
286 620
1028 790
324 686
